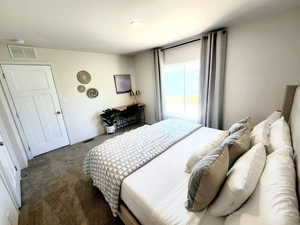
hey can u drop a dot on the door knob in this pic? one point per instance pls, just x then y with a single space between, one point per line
1 143
58 112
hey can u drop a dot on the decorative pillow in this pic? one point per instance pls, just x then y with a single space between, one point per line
241 182
280 136
203 151
261 134
235 127
273 117
247 122
206 179
274 200
244 123
238 143
269 120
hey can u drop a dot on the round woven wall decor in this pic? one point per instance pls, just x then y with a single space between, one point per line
92 93
84 77
81 88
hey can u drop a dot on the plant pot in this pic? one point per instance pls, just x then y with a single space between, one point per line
111 129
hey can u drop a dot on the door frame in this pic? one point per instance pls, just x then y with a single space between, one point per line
12 108
8 188
3 173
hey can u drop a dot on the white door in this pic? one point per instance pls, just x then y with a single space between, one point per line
35 99
9 173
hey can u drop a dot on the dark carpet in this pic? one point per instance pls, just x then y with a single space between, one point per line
56 192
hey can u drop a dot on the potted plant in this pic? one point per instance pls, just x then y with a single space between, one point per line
109 120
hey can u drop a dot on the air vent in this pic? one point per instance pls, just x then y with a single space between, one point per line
21 52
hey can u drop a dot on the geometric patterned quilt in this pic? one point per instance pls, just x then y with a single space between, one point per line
109 163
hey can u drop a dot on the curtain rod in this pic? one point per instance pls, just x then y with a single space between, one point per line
184 43
190 39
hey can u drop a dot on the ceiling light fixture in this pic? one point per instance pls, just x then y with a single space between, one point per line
135 22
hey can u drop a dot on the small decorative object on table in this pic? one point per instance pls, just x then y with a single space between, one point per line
135 94
109 119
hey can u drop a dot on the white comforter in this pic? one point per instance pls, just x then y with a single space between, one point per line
156 192
110 163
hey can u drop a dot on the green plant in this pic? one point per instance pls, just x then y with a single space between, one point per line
108 117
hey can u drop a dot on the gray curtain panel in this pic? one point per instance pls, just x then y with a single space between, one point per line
212 75
158 64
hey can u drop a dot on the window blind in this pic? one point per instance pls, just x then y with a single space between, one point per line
180 81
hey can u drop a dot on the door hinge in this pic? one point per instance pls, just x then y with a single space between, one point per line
29 148
16 168
3 75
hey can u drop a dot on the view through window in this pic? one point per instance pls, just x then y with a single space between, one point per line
180 90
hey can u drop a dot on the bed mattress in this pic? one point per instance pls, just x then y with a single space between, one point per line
156 193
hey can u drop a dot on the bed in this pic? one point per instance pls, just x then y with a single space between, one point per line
165 205
142 202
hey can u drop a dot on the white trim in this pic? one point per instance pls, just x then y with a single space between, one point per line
18 150
19 62
16 196
11 195
60 105
12 107
13 113
8 188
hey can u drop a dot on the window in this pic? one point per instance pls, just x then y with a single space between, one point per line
180 82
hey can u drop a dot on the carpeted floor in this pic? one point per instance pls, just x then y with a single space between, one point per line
56 192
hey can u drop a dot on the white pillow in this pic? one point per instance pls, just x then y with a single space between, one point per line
241 182
273 117
269 120
280 136
260 134
274 201
203 151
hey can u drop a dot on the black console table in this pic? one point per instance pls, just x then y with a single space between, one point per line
129 114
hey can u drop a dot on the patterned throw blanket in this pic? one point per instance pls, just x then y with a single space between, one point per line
111 162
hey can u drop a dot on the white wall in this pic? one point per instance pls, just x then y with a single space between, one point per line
262 58
81 113
145 82
8 212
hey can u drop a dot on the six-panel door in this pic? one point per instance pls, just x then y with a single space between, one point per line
35 98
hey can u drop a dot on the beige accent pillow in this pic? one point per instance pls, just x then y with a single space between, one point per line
238 143
203 151
241 182
236 127
244 123
248 124
280 136
206 179
261 134
274 201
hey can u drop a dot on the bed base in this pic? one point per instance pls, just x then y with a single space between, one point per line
126 216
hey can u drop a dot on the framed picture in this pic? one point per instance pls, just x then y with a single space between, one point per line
122 83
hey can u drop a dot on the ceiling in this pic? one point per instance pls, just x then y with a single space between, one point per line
105 25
